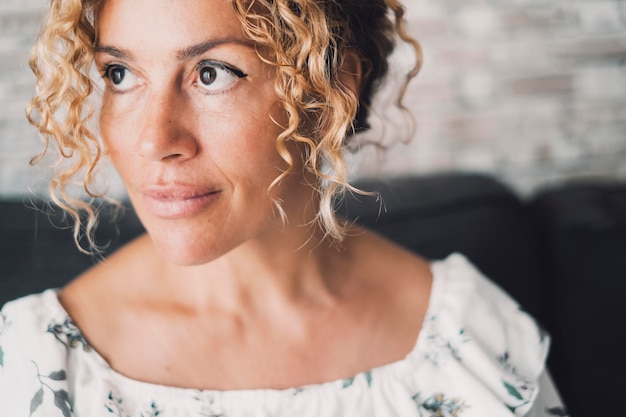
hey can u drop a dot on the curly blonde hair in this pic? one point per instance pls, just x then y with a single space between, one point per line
307 41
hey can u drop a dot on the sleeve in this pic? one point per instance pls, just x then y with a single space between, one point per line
502 359
31 380
18 375
548 402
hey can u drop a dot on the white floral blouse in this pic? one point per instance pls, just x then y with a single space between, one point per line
477 355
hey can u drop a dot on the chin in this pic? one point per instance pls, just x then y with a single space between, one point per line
185 251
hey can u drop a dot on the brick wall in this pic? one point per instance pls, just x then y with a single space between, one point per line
19 23
533 91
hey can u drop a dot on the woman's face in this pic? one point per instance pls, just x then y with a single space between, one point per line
187 121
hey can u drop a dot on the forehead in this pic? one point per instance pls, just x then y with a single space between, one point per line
151 25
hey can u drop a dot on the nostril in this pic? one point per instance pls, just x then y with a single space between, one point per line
164 136
173 156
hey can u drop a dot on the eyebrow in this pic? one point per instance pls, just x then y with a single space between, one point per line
183 54
200 48
111 50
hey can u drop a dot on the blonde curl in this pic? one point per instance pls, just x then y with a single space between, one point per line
308 42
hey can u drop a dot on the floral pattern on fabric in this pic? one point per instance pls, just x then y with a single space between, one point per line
68 334
115 406
207 405
47 384
441 348
349 381
519 388
438 405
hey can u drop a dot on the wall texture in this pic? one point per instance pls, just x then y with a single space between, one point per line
532 91
19 23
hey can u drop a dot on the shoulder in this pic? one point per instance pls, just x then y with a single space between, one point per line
34 325
394 282
28 318
383 260
34 337
462 294
476 332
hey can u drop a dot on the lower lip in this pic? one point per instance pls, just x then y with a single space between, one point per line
174 208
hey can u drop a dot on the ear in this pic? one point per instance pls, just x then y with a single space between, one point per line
351 72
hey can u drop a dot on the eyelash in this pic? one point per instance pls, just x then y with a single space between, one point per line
106 74
105 71
218 64
215 65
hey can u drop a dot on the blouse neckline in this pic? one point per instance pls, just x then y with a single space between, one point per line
398 369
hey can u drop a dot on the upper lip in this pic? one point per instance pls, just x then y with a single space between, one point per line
177 191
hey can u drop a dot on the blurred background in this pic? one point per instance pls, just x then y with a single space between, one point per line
531 91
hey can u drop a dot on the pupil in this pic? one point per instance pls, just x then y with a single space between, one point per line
207 75
117 75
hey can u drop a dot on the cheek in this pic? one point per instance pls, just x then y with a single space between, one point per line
246 140
108 132
116 134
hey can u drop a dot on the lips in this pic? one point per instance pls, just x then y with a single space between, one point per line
177 201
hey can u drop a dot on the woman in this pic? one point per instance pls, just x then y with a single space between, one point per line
247 296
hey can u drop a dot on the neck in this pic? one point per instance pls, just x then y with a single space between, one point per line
288 267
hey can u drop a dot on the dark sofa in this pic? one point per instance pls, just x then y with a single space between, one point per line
562 254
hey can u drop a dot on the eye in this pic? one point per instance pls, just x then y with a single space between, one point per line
215 76
121 79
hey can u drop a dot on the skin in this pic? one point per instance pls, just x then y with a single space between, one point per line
221 294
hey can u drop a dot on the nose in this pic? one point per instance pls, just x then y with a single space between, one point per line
167 134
